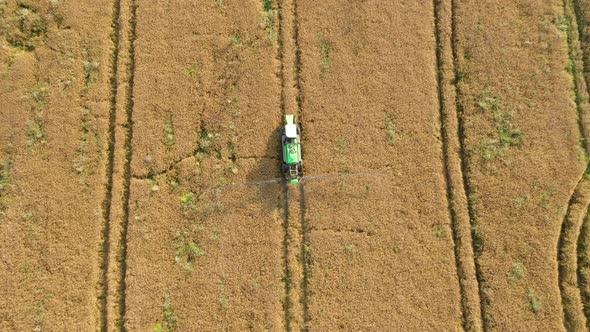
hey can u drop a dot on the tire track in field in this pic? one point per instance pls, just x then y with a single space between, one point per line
296 268
306 256
583 261
456 203
583 266
288 276
127 167
107 202
582 49
567 257
464 169
445 149
577 206
306 259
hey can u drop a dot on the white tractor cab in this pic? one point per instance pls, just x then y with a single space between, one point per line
291 145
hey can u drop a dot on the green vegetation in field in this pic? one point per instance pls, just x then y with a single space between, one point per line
390 128
40 95
80 161
395 247
218 3
521 201
439 231
90 71
155 185
222 299
187 251
4 179
232 97
349 251
35 127
26 269
35 133
307 259
82 164
517 272
54 12
169 137
4 182
459 76
40 311
478 241
341 145
235 40
570 68
90 65
168 323
207 143
268 19
188 202
487 103
10 57
173 182
191 70
325 50
562 23
204 143
534 302
231 148
546 196
26 28
507 135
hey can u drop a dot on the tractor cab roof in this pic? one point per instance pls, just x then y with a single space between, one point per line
291 130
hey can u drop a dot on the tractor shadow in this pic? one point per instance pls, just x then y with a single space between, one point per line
265 177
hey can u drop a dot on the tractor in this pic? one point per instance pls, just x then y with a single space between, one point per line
291 143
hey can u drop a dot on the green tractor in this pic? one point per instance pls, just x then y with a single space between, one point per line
291 143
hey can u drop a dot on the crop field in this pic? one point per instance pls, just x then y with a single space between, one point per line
446 149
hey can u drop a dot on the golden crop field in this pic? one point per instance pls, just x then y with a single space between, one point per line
446 184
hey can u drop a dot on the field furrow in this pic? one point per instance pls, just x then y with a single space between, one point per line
110 166
567 257
288 48
512 77
114 309
453 152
